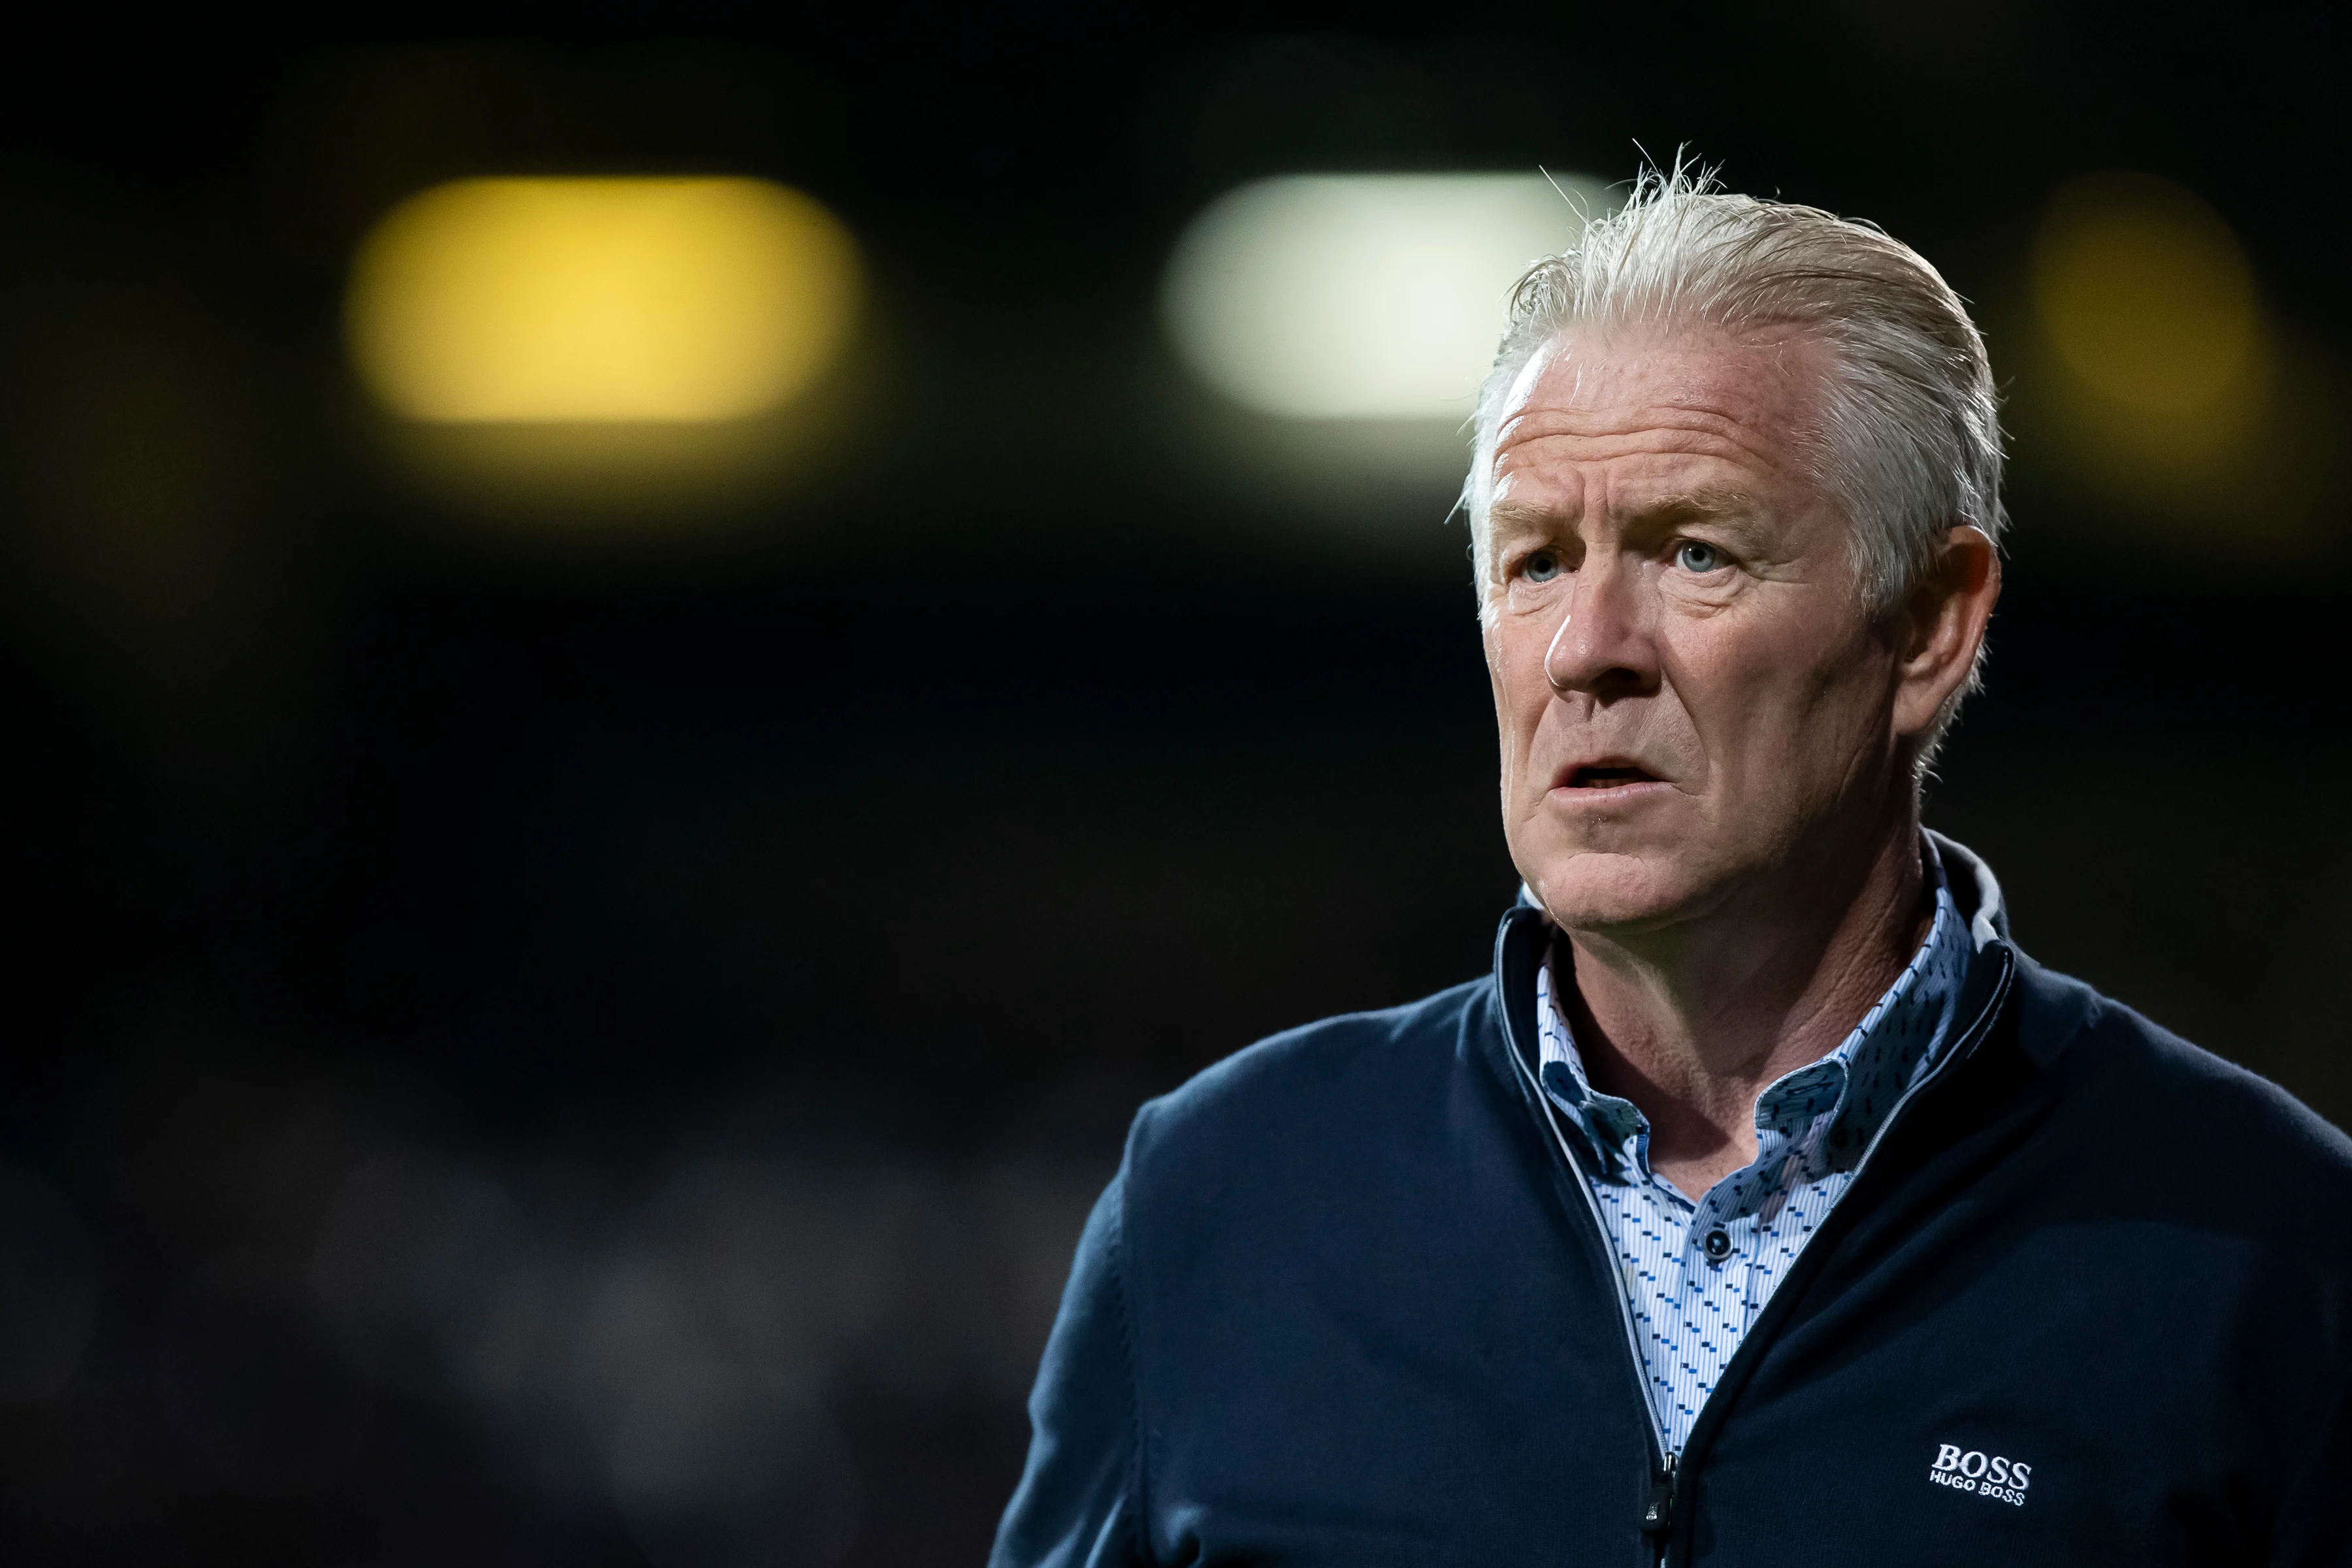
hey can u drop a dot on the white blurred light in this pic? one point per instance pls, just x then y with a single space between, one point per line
1362 297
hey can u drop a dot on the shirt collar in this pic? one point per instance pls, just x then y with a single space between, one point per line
1834 1105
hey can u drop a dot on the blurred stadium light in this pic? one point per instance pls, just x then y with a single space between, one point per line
2146 294
2157 369
1361 297
621 301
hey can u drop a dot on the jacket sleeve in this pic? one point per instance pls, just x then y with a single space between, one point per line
1077 1504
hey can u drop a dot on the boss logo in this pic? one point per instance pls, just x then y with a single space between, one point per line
1993 1476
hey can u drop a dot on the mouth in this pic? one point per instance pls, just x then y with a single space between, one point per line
1610 776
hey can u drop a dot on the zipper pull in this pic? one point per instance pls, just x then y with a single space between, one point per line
1658 1513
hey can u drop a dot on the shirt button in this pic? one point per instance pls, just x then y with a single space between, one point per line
1718 1244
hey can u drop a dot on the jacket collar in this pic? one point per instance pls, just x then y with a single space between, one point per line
1974 888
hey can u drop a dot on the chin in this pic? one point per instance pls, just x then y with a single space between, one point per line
1592 890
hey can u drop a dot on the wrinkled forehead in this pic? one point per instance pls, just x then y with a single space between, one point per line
1694 397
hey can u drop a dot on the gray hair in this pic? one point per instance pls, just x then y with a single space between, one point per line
1909 435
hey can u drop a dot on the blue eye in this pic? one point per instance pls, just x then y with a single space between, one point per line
1543 566
1693 556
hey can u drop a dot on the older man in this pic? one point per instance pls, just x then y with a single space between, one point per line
1766 1204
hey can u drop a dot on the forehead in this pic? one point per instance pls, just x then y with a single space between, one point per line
1632 410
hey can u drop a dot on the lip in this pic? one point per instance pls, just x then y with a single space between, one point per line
1604 779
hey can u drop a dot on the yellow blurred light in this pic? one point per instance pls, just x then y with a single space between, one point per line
667 300
1361 297
2146 295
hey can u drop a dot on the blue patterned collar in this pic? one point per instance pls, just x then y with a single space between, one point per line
1821 1117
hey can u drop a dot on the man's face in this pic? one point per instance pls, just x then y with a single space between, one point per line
1694 703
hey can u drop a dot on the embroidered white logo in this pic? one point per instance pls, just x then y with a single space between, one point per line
1987 1475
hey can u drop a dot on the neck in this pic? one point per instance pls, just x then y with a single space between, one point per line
1692 1024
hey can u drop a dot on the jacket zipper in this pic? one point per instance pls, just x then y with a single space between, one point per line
1658 1513
1658 1510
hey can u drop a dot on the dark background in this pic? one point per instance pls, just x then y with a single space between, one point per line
565 1039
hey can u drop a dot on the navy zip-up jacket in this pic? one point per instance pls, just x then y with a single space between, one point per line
2089 1300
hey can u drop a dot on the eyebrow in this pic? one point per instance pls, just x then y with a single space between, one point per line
1518 514
1707 501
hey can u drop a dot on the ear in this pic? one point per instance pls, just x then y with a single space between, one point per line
1941 628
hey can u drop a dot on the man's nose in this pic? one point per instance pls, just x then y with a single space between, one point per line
1602 647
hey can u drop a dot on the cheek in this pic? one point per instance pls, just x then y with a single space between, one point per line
1779 709
1522 694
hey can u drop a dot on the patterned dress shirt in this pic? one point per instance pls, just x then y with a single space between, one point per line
1695 1275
